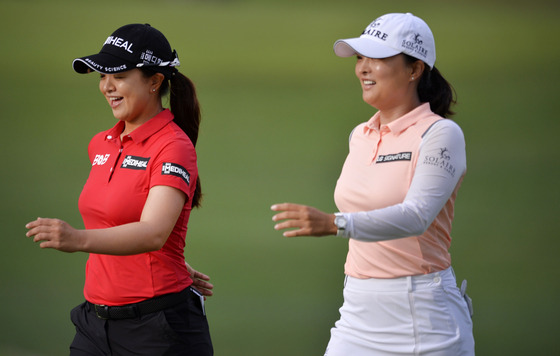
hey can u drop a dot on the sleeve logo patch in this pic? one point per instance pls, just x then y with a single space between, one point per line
403 156
441 160
177 171
135 162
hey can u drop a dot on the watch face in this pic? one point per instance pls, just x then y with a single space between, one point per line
340 222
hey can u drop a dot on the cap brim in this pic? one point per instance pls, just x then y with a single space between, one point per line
102 62
363 46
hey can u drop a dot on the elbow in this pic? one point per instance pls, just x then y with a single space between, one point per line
418 230
417 218
157 242
418 224
154 240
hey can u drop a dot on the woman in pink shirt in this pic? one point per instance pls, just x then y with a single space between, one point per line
396 195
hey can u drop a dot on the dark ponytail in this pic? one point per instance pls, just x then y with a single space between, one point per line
186 111
184 105
433 88
185 108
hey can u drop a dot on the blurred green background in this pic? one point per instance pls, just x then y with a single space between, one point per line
278 106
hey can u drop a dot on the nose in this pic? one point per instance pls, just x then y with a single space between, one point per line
106 84
363 66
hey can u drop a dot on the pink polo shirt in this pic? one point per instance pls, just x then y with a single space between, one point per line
397 190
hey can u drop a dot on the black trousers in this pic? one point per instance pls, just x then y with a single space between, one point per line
178 330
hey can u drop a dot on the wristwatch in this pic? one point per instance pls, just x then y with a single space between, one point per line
340 222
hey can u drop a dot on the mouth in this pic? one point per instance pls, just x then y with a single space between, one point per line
368 82
115 101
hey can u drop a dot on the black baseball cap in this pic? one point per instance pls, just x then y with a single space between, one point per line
131 46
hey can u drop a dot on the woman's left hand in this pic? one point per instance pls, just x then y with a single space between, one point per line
200 281
307 220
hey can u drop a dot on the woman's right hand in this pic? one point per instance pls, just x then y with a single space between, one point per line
54 233
306 220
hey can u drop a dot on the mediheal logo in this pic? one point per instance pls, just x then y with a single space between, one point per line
119 42
149 58
176 170
135 162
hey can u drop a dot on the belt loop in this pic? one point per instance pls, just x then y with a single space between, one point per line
409 283
136 310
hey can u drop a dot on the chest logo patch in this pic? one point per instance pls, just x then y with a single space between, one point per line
177 171
135 162
402 156
100 160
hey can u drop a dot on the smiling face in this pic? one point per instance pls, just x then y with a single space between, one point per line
384 80
133 97
388 84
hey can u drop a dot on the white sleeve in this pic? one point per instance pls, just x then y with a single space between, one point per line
441 163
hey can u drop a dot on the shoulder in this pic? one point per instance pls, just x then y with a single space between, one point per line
98 139
445 127
445 137
360 129
100 136
173 145
171 136
173 130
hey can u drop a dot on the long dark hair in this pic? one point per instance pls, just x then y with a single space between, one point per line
433 88
186 111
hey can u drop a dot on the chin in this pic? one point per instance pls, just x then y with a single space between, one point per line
368 101
118 115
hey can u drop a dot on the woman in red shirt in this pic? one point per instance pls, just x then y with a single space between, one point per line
141 295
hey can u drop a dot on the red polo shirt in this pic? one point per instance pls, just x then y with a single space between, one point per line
122 173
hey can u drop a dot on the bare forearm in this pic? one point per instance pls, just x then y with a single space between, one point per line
128 239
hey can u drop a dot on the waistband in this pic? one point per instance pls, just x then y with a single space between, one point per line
148 306
408 283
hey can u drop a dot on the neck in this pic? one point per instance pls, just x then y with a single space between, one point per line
130 126
388 115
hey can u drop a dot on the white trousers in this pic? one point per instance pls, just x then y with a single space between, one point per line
417 315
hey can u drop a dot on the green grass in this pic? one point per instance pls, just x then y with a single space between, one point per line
278 107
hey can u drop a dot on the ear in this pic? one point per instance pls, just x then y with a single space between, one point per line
156 80
417 68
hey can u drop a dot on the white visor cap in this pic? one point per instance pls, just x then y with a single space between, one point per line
390 35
